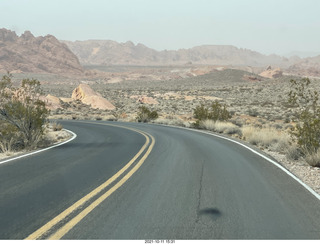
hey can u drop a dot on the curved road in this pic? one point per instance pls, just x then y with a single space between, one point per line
152 182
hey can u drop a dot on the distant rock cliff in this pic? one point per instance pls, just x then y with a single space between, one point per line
36 54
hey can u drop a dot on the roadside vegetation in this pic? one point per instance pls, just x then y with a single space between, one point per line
260 110
215 112
22 115
261 106
306 133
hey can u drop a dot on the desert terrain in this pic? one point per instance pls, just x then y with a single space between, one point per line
103 80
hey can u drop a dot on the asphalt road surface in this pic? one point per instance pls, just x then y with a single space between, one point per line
142 181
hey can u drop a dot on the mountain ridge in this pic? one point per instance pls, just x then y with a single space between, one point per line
108 52
43 54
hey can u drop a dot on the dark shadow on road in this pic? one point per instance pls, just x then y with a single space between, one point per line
213 213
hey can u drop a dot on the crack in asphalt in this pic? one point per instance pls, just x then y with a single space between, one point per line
199 196
212 213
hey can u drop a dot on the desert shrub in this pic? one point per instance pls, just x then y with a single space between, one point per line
216 111
304 100
22 111
145 115
253 112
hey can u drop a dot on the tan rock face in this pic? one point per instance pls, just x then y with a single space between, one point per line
86 95
271 73
83 91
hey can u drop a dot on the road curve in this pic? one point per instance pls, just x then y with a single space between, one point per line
190 186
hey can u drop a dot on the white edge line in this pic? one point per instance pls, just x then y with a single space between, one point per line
259 154
74 135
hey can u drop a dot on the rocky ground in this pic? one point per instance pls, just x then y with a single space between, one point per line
253 100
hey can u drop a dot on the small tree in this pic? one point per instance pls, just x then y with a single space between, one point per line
22 111
305 101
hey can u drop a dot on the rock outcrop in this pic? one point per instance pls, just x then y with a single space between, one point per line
29 54
86 95
271 73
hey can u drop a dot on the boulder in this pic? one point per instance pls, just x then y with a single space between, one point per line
86 95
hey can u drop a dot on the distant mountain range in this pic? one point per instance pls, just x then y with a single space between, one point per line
301 54
27 53
104 52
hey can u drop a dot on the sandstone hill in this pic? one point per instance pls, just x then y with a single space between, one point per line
27 53
86 95
99 52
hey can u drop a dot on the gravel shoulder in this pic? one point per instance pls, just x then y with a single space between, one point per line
306 173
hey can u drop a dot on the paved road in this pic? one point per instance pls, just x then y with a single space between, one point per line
183 185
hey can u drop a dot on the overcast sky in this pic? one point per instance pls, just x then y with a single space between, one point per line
266 26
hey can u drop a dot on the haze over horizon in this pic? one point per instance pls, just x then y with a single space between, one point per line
285 27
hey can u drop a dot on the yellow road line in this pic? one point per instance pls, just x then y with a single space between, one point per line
68 226
41 231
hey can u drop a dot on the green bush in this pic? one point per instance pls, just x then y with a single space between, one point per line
216 112
145 115
307 115
22 113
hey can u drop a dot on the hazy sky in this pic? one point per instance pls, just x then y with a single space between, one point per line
266 26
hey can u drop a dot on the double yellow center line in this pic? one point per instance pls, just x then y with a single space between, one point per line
58 233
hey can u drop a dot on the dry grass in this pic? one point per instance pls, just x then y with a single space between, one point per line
293 153
220 127
6 147
56 126
172 121
266 137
